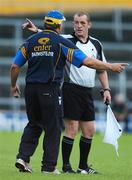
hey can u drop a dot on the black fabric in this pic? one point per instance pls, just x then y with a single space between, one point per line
67 144
44 112
98 46
78 102
85 146
29 141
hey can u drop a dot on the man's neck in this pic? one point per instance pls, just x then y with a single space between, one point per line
83 39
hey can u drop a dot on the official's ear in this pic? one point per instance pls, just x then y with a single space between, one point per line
89 24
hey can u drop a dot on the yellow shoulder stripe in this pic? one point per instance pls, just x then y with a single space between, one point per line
69 54
24 52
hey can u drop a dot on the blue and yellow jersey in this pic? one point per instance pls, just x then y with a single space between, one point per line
46 53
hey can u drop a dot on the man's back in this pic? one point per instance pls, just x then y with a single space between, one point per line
46 58
42 54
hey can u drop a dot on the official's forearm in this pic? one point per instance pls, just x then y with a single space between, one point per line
14 74
96 64
103 77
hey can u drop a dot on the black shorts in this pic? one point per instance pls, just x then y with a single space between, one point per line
43 104
78 102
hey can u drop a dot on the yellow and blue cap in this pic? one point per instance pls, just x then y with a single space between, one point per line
54 17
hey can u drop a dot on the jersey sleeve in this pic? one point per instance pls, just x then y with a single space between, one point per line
74 56
20 58
101 53
103 57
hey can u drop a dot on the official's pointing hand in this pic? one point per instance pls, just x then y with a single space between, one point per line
118 67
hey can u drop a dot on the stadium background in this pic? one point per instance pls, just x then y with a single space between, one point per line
112 24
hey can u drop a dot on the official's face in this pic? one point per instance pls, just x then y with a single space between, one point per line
81 25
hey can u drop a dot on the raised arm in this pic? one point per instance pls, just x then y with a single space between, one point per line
78 58
30 26
100 65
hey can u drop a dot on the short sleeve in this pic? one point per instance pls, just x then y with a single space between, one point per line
74 56
19 59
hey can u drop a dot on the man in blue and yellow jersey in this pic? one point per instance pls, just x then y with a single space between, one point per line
46 53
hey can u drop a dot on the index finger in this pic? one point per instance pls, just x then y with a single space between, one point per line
124 64
28 20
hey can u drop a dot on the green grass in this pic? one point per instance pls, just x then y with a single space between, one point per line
102 156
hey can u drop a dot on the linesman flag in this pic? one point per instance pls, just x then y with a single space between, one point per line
113 130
